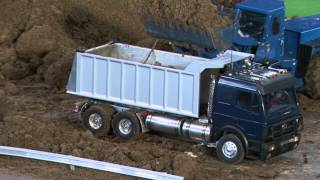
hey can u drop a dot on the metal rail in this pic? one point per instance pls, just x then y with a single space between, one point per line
86 163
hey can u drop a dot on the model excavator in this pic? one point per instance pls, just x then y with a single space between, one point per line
261 28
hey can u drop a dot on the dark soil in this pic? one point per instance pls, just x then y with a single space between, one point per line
39 117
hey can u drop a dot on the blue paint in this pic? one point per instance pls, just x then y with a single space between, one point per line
262 6
284 47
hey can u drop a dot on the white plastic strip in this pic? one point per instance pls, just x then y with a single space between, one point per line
86 163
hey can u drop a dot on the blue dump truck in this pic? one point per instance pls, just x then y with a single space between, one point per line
260 28
227 103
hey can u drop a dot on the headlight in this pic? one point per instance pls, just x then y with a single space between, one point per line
271 147
300 124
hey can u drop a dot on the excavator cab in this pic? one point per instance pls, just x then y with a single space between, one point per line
259 29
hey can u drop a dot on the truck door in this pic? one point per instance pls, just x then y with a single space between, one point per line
248 113
273 43
239 108
223 105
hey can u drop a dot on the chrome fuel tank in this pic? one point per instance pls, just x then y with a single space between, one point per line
194 130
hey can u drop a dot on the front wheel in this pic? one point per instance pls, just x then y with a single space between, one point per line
230 149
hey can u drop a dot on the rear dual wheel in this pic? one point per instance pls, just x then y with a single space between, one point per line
98 120
126 125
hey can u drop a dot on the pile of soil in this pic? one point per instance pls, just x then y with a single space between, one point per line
201 15
38 37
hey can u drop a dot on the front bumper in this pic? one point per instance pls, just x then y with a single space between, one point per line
275 148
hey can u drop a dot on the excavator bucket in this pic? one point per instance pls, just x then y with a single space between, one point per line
218 38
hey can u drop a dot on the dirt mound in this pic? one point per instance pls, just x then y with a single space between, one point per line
29 44
203 15
38 37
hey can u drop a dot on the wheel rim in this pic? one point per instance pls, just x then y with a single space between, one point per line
125 126
95 121
229 149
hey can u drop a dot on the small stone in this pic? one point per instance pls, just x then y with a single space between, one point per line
15 70
2 93
76 152
7 55
28 136
10 89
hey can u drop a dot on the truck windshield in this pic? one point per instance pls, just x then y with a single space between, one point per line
280 102
251 25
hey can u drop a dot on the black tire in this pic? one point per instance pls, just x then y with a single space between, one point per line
312 79
234 141
132 131
102 127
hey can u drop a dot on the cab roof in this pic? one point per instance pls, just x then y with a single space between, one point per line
262 6
265 85
304 24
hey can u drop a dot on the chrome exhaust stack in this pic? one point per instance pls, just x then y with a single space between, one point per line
193 130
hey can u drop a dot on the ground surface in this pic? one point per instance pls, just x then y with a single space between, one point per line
40 117
37 39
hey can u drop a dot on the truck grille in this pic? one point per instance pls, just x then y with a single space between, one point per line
282 131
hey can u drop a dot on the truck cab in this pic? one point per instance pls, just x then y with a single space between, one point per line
262 111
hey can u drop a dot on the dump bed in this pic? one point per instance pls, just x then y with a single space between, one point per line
166 82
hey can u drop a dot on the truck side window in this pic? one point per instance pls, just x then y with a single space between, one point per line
275 26
248 101
222 98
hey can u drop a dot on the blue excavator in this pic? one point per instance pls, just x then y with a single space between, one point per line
261 28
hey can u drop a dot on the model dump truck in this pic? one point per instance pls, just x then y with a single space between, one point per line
132 90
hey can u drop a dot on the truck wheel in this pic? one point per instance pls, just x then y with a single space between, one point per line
230 149
126 125
312 79
97 120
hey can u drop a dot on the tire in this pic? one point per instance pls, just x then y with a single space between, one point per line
97 120
126 125
312 79
235 154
